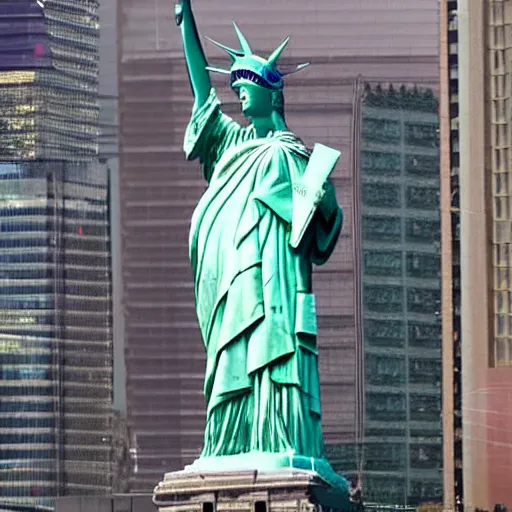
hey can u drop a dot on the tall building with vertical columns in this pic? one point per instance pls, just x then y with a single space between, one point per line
399 182
55 284
476 131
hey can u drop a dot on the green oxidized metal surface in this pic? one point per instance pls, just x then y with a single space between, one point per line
269 213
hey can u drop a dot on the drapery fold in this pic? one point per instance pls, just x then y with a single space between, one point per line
254 300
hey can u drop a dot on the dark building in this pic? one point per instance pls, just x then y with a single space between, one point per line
451 261
55 279
49 63
159 190
399 185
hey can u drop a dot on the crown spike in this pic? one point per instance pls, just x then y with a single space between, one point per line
218 70
246 49
274 57
300 67
232 53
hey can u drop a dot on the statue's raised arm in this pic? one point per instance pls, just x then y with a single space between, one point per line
194 53
210 132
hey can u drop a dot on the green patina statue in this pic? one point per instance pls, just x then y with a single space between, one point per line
268 214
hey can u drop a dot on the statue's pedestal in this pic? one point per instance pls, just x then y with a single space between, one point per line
281 490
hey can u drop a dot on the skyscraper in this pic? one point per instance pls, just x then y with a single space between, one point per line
476 139
399 190
450 257
159 190
55 285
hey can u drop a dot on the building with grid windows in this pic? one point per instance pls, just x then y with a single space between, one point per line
55 278
399 190
476 78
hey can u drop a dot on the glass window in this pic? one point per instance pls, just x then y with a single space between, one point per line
425 371
341 455
381 163
8 272
422 165
422 230
24 389
426 456
27 302
380 489
385 432
383 299
427 433
425 490
381 195
13 406
422 134
25 373
16 226
382 262
423 198
27 438
427 335
24 242
423 265
26 422
423 301
28 257
26 289
384 333
382 228
381 130
32 491
384 370
26 359
425 407
389 455
385 406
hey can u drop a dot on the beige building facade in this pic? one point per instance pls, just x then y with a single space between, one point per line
480 133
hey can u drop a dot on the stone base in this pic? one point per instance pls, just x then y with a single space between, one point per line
282 490
268 461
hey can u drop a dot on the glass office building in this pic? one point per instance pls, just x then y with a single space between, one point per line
399 183
55 284
49 77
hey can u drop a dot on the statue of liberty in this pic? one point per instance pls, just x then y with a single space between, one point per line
269 213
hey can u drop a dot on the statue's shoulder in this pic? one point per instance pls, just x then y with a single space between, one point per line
291 142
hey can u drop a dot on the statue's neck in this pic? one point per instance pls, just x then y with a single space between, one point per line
272 123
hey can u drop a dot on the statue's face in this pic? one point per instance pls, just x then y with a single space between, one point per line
256 101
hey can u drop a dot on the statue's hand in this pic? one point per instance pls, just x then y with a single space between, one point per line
179 9
328 203
328 187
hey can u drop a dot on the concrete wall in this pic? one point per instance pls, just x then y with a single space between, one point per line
125 503
474 243
109 150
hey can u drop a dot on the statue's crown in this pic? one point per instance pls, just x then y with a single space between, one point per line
251 68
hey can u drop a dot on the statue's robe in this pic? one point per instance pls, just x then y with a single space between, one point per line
254 299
